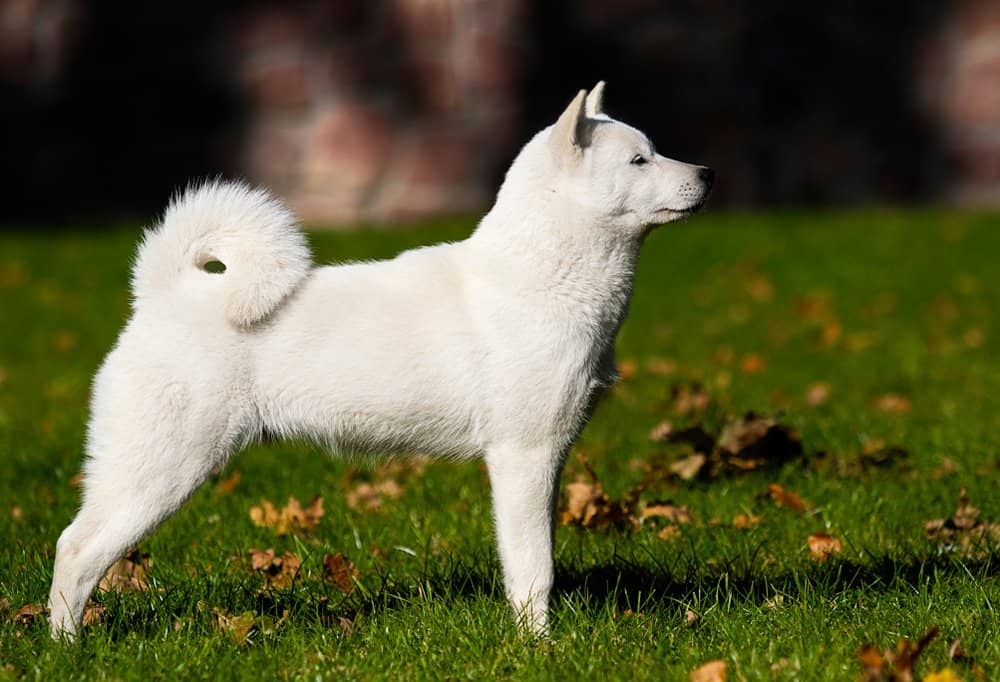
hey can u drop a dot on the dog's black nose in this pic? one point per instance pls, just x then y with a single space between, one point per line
706 175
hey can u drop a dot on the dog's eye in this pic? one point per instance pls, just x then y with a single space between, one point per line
638 160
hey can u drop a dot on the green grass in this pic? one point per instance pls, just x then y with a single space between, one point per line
915 295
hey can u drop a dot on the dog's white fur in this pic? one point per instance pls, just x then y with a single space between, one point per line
492 347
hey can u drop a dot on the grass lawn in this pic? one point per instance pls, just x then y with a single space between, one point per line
873 334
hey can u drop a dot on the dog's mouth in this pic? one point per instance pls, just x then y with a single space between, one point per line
687 210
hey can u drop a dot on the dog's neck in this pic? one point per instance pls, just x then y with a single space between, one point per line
575 266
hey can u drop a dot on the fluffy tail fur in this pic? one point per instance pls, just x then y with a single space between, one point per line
264 256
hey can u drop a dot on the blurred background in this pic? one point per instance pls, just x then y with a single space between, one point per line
389 110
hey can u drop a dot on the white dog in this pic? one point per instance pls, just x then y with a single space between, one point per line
492 347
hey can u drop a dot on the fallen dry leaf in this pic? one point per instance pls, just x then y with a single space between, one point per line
292 518
713 671
892 403
746 521
745 443
817 393
661 431
128 574
822 546
691 618
695 436
238 627
964 530
224 486
16 513
661 366
77 480
587 504
688 398
667 510
93 614
340 571
760 288
370 497
627 369
787 499
689 467
754 440
27 614
894 666
669 532
754 363
956 652
279 571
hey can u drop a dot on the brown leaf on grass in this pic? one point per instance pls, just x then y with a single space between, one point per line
661 366
956 652
27 614
755 440
760 288
877 453
16 513
77 480
691 618
661 431
817 393
224 486
239 627
893 403
746 443
964 530
894 666
874 667
627 369
754 363
340 571
822 546
128 574
689 467
93 614
667 510
746 521
292 518
787 499
279 572
695 436
713 671
587 504
669 532
371 496
688 398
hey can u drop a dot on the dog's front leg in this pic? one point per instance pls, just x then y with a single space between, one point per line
525 485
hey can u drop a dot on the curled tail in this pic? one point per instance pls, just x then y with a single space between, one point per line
262 253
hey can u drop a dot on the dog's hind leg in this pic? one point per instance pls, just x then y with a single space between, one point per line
525 486
137 475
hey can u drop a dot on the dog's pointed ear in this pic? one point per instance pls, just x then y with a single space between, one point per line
571 132
595 100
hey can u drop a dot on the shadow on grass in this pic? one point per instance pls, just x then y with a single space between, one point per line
609 586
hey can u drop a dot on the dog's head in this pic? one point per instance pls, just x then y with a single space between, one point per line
613 169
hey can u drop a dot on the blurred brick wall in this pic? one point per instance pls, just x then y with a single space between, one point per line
359 110
958 70
375 110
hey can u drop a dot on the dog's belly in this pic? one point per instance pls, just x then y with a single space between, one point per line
370 371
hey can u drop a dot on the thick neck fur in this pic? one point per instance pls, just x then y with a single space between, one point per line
575 262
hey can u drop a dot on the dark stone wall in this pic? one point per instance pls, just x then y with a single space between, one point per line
359 110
